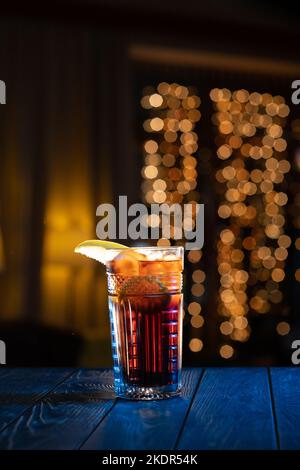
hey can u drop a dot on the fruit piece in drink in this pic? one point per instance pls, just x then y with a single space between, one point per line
125 263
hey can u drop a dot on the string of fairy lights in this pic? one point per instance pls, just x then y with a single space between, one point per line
170 172
252 246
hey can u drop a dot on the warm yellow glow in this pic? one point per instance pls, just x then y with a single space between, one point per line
226 328
194 308
197 321
159 185
153 159
224 211
227 236
275 131
249 243
197 290
281 254
168 160
150 171
196 345
163 242
276 296
283 328
163 88
281 198
278 274
198 276
272 231
156 100
159 197
151 146
194 256
263 252
226 351
251 200
224 152
156 124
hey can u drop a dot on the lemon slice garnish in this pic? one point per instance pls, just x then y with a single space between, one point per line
97 249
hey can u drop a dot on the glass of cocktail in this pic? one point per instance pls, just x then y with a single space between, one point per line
145 307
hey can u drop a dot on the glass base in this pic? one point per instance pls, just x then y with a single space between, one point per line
147 393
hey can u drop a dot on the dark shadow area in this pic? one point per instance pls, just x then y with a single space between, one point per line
30 345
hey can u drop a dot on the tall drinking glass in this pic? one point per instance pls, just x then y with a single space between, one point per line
145 305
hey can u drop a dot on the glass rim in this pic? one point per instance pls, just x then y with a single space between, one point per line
148 248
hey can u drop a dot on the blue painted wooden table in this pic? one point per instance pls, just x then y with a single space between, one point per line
220 408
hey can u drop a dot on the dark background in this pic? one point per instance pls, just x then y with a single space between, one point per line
71 139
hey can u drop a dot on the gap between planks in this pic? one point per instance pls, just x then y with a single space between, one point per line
189 408
273 409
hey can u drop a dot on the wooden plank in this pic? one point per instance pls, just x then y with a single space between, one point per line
20 388
231 410
285 383
65 417
145 425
